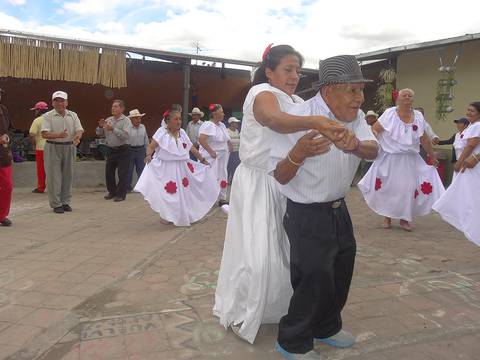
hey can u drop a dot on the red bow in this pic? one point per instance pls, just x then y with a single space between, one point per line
267 51
166 113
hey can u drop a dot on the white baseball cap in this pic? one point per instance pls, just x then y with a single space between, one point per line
233 119
60 94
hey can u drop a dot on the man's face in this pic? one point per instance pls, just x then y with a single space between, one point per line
344 100
195 117
371 119
136 120
117 109
59 105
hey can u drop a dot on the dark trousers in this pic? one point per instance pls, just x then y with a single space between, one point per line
322 256
117 158
137 163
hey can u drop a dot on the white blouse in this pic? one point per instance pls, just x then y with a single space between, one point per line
217 136
472 131
169 148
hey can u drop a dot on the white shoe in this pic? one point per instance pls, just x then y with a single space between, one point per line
225 208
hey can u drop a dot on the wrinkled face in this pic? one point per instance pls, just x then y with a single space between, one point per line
117 109
218 114
195 117
344 100
136 120
371 119
472 114
59 105
405 98
233 125
286 75
174 122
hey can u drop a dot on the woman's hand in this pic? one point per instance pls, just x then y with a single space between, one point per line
204 162
310 144
148 158
457 167
213 154
434 160
331 129
468 163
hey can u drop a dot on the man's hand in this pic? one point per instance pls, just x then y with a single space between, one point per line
76 140
108 126
310 144
349 142
4 139
63 134
101 123
468 163
331 129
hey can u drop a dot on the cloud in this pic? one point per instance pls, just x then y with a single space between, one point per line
17 2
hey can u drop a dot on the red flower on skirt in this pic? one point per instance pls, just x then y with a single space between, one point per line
185 182
415 195
190 166
184 145
415 127
223 184
378 184
171 187
426 188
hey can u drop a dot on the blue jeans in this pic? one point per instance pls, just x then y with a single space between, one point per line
137 158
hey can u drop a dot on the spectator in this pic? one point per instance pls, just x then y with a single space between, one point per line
194 125
233 159
138 145
6 182
38 142
456 139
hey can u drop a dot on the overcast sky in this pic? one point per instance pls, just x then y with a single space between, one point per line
241 29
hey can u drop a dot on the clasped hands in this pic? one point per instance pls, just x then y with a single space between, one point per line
105 125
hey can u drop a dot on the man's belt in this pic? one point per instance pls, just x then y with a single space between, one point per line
329 204
137 147
60 143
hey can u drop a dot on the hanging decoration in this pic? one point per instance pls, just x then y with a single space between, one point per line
445 86
386 93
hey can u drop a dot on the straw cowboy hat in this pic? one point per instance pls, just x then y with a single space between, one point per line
135 113
371 113
233 119
196 111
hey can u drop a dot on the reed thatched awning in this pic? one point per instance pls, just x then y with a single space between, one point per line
51 60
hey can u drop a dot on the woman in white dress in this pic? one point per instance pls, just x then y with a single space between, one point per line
215 146
400 184
254 280
460 205
181 191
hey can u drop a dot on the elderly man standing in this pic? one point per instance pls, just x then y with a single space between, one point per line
6 182
138 145
116 130
62 130
317 222
194 125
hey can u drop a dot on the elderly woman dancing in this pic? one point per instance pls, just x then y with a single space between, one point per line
460 205
181 191
400 184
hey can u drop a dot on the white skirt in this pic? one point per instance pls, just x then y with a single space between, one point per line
180 191
401 186
460 205
219 168
254 280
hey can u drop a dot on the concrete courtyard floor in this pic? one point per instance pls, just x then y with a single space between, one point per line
109 281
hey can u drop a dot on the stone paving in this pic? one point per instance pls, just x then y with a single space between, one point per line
109 281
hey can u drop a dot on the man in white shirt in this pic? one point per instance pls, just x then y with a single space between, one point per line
193 126
138 145
322 243
63 131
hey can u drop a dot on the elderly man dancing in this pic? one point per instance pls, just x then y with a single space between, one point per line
317 222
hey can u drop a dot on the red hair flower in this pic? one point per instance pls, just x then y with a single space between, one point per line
184 145
213 107
426 188
378 184
394 95
415 127
415 195
266 51
185 182
171 187
190 166
223 184
166 113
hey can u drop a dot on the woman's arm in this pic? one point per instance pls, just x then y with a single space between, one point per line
150 150
470 162
268 113
305 147
467 151
447 142
427 146
202 139
199 156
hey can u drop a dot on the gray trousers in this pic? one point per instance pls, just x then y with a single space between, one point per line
59 161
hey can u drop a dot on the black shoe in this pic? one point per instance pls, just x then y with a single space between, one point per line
109 196
119 198
67 207
6 222
36 191
222 202
58 210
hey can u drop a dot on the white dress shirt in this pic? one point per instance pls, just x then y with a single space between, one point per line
325 177
138 135
192 131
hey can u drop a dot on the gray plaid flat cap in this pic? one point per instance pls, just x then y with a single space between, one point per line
339 69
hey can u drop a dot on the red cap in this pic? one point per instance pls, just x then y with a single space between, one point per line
41 105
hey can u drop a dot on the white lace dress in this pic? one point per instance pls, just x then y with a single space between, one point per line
399 184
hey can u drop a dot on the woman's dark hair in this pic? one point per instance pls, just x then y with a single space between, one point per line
271 61
476 105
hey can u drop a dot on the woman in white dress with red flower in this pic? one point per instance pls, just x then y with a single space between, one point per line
215 147
181 191
460 205
400 184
